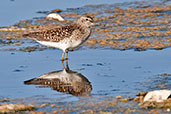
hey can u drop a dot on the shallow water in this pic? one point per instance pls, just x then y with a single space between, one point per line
108 72
13 10
111 72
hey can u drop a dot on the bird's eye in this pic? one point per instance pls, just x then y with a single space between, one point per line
86 19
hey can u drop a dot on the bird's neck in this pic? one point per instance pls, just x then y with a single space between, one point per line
82 25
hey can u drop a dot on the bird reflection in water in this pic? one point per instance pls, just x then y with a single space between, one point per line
65 80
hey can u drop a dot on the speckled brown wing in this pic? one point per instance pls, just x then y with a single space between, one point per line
53 35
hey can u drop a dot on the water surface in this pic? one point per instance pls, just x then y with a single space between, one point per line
13 10
111 72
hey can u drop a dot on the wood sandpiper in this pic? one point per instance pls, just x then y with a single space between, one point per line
64 37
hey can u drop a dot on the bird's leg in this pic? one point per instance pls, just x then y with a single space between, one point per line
62 58
66 55
63 64
67 67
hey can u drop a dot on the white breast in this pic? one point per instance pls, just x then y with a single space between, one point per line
63 45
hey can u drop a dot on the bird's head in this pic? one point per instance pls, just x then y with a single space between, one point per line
86 21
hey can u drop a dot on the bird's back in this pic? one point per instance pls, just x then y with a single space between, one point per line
53 35
59 33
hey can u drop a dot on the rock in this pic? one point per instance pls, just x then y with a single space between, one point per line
157 95
55 16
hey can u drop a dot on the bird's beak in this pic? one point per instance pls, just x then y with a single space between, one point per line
92 24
